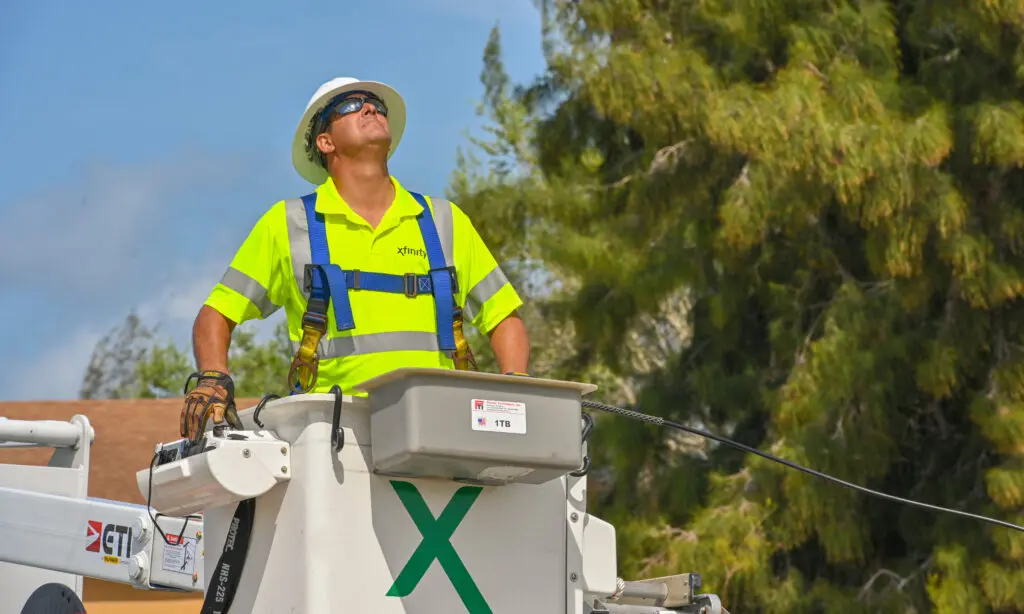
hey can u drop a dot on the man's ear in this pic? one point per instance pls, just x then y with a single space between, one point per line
324 143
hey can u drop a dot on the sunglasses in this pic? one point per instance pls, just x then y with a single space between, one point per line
354 103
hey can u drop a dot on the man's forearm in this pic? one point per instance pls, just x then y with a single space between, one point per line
211 338
511 345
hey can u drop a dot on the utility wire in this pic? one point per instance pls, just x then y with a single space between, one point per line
635 415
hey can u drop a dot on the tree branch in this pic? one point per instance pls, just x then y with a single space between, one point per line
664 159
900 581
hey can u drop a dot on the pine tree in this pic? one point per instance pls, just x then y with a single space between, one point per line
832 196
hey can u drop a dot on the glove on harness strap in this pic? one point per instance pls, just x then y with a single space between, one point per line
328 285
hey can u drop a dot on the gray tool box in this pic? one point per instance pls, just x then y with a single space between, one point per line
475 427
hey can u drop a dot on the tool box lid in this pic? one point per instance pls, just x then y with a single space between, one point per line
479 376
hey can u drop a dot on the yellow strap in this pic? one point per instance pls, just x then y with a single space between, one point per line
302 375
464 360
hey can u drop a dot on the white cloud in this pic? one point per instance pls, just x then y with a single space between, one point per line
179 301
56 373
174 308
91 239
87 235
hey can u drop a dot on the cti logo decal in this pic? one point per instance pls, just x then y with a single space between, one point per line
110 539
436 545
93 532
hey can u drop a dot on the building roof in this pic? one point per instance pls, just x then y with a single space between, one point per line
127 432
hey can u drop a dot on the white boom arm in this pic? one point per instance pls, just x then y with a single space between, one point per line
444 491
51 532
120 543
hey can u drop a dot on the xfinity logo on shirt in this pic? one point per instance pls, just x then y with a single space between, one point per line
409 251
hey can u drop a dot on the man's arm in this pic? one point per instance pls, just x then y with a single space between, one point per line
490 303
211 338
251 288
511 345
213 395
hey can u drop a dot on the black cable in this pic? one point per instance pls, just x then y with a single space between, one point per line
635 415
149 508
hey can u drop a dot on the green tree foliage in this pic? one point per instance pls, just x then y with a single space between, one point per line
260 368
111 373
131 362
162 372
799 224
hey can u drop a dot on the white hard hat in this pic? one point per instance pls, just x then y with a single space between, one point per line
311 170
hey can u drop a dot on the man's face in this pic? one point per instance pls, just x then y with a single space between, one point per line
359 121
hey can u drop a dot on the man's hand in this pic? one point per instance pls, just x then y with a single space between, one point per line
214 395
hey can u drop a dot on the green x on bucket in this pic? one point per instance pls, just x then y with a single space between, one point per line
437 545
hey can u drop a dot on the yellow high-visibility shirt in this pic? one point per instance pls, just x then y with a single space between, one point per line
391 330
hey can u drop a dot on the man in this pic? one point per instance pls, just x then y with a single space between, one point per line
372 277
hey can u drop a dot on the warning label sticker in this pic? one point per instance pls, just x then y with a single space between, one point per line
498 416
180 558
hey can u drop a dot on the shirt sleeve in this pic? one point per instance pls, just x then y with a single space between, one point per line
253 285
486 294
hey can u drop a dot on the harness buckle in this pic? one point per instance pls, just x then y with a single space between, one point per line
304 369
463 354
307 277
410 283
452 274
315 321
455 279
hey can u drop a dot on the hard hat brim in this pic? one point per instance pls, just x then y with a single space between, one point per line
313 172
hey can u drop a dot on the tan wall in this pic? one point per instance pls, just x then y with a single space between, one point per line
109 598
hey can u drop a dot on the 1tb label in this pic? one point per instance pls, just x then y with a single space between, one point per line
498 416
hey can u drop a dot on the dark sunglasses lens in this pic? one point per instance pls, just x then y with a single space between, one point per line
351 105
379 105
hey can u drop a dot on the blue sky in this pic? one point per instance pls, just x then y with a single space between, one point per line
142 140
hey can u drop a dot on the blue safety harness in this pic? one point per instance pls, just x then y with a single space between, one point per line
328 284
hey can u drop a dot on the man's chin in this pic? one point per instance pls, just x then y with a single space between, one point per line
379 142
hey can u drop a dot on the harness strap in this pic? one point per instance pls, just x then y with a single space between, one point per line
328 285
444 297
409 284
451 337
305 366
228 572
325 281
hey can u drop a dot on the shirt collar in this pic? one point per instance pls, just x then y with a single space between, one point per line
329 202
